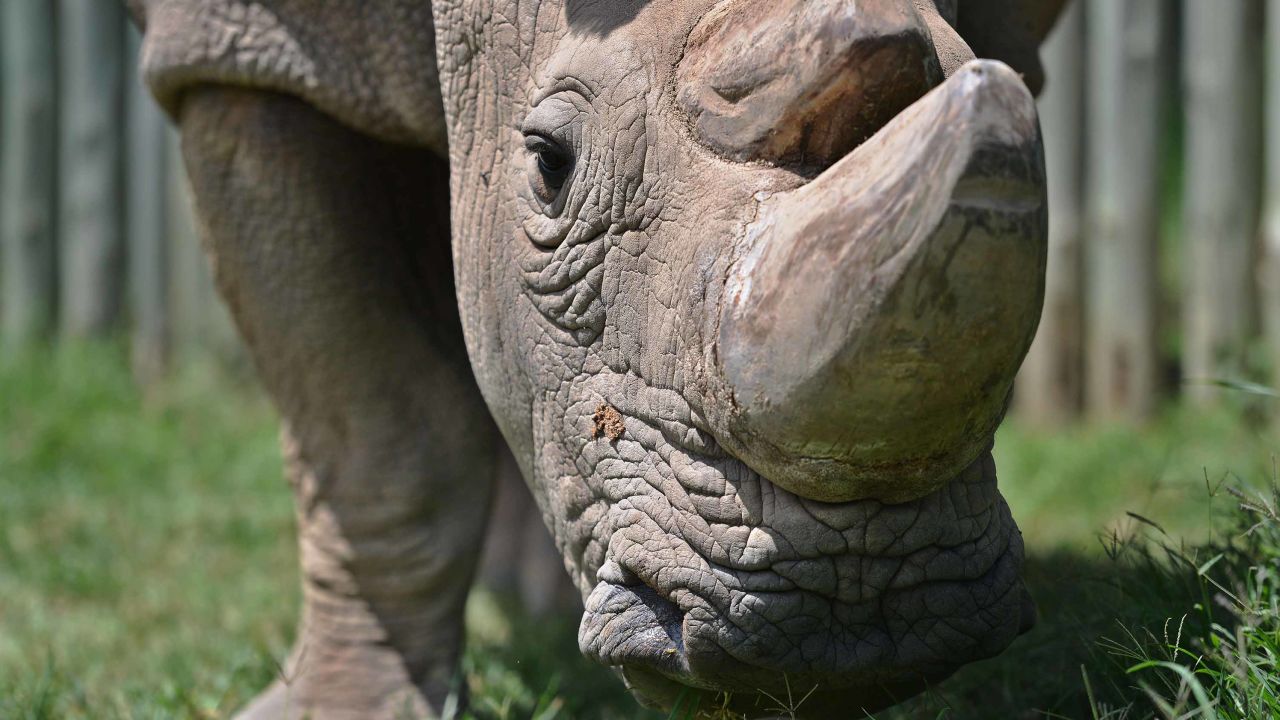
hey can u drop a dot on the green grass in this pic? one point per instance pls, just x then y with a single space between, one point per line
1067 487
146 549
147 565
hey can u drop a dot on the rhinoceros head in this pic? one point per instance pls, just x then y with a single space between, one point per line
745 285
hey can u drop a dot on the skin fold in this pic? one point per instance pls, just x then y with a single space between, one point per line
743 286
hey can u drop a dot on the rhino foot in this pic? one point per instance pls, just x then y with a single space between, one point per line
348 683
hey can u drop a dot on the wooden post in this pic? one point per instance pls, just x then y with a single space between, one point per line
1221 190
1124 126
146 224
1050 386
1269 278
28 249
91 196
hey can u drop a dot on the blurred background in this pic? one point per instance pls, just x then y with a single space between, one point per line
147 560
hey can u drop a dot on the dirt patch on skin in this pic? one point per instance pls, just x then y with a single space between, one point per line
607 422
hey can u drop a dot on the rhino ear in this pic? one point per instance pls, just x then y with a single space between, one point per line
1010 31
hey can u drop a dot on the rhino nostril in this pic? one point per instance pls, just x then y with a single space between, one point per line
733 92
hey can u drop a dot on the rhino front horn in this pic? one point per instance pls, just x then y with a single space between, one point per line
875 317
803 80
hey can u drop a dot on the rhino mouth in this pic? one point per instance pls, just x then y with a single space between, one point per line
918 590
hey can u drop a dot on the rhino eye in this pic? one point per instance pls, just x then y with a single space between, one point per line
551 166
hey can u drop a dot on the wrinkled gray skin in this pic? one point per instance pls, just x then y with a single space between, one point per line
748 347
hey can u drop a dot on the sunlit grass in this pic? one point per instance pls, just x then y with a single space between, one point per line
1067 486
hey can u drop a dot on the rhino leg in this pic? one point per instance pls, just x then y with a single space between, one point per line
331 248
520 560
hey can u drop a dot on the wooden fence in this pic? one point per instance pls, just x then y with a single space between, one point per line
1164 270
97 235
1164 265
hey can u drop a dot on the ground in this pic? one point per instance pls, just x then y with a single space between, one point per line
147 564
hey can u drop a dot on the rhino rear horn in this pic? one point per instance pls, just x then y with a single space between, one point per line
803 81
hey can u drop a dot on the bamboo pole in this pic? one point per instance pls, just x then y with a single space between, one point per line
1269 279
28 247
146 143
1050 384
1221 189
91 246
1124 126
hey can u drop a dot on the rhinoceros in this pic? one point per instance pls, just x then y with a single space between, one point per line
743 284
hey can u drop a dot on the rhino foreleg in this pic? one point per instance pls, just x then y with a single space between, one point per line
332 250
